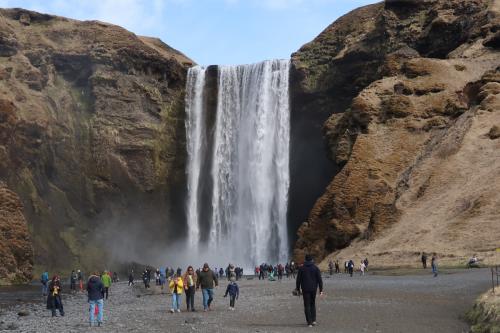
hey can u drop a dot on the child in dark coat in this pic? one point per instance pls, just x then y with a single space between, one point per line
234 291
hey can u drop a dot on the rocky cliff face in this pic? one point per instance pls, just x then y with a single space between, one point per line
93 137
411 92
16 252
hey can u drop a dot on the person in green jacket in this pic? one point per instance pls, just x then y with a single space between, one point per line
106 281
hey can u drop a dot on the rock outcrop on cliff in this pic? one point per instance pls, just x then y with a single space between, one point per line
16 252
92 138
411 89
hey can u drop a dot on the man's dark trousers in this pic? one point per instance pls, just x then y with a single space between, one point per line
310 306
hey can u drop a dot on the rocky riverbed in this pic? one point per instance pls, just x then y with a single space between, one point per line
371 303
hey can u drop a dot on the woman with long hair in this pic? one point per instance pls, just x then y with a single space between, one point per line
54 301
189 279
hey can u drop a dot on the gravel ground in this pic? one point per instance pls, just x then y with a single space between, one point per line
371 303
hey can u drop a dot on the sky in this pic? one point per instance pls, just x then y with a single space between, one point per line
210 32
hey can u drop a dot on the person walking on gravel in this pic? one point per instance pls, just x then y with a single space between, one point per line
234 292
95 289
434 265
207 279
309 280
106 281
80 280
131 278
72 281
44 280
189 281
350 267
176 286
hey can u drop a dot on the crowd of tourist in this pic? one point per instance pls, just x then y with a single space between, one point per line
179 283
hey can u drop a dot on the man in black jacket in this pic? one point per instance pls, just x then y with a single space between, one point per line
308 280
95 297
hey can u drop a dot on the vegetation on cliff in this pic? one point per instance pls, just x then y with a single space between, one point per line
92 137
411 90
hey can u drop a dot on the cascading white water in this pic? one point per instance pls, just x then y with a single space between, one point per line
194 123
249 162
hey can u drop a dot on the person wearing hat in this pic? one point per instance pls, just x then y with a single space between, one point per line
207 279
308 280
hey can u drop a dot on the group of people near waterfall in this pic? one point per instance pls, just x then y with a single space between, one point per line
97 286
271 272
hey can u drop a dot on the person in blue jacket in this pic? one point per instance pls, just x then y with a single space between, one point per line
234 292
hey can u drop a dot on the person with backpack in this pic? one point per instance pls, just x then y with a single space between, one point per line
95 290
234 292
350 267
44 280
176 288
308 281
54 301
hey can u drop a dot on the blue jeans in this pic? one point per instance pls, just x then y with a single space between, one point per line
208 297
100 307
44 288
434 270
176 301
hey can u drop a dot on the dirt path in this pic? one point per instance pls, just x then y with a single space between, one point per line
373 303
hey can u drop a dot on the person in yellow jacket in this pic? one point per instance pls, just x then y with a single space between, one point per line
176 287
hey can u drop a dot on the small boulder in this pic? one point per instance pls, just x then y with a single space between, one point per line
23 313
494 132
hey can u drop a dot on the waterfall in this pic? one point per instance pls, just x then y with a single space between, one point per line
194 123
249 162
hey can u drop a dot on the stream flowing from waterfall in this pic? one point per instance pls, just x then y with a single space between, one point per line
238 162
